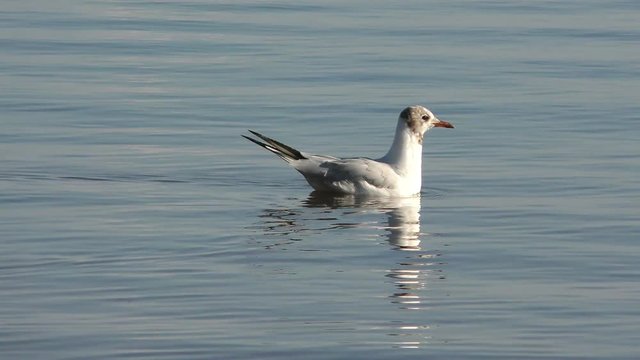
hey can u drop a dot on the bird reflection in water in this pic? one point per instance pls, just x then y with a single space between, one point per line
409 274
402 232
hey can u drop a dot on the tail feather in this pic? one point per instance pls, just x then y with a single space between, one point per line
286 152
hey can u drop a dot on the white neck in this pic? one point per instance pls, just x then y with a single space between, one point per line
405 154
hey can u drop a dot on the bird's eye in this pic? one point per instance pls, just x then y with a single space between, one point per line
425 117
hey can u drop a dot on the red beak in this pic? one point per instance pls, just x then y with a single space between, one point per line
443 124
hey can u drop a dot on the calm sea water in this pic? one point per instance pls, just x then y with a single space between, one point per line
137 223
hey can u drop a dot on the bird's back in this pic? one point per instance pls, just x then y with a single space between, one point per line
349 176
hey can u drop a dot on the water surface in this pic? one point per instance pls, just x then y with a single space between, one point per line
137 223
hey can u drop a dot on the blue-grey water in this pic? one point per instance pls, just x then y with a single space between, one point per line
135 222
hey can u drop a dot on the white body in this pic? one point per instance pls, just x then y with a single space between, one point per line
398 173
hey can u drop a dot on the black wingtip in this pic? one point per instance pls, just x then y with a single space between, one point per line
285 149
256 141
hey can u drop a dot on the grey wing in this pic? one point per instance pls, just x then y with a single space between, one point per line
356 172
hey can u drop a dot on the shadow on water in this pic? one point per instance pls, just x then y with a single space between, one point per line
409 267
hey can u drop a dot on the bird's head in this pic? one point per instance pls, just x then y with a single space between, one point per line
419 119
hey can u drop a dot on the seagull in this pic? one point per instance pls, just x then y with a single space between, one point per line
398 173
